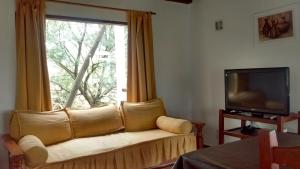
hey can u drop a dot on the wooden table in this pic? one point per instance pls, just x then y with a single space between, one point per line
236 155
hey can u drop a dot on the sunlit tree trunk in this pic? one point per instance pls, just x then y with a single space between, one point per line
84 67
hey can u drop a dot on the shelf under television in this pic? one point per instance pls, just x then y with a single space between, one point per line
290 117
279 121
237 132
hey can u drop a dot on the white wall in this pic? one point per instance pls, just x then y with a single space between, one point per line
7 68
233 47
190 55
171 33
171 48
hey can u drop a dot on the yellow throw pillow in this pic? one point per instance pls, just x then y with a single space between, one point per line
50 127
142 116
35 151
96 121
173 125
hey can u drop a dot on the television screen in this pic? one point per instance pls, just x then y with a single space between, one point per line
261 90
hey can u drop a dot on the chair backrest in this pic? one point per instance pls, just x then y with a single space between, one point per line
272 156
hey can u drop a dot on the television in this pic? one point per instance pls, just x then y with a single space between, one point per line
259 91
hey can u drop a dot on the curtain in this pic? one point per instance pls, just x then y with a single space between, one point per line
32 88
141 79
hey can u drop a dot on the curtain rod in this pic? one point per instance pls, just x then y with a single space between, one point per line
95 6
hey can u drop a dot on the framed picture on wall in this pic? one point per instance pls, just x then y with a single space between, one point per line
277 24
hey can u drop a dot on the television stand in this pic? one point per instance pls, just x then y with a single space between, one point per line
257 115
279 121
249 129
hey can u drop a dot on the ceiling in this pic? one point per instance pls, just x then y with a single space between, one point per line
182 1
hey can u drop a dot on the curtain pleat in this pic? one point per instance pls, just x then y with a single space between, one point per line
141 79
32 87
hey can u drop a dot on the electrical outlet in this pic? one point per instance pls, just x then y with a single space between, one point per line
219 25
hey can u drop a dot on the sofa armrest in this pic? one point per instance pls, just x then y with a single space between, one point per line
198 130
36 154
16 156
174 125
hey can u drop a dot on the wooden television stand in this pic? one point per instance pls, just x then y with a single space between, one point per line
236 132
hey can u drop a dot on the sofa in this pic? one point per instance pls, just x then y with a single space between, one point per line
132 136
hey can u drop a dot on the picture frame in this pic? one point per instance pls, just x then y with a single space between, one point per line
277 24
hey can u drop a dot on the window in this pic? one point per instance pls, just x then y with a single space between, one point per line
87 63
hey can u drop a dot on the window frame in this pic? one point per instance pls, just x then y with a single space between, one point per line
81 19
86 20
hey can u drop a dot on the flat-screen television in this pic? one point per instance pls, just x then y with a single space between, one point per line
259 90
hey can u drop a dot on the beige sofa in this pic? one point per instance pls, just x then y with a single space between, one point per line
139 136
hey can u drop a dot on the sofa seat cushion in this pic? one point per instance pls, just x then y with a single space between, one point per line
133 150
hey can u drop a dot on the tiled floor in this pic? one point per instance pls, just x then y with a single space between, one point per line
168 165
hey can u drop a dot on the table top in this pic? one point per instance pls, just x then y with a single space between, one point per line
236 155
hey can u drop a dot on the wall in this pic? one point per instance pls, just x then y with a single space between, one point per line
171 36
171 49
233 47
7 68
190 55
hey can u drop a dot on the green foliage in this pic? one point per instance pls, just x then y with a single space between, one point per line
68 45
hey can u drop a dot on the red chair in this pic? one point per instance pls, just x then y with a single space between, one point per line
272 156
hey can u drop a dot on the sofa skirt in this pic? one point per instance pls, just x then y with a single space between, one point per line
138 156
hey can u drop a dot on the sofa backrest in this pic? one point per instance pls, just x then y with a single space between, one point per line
50 127
96 121
58 126
143 115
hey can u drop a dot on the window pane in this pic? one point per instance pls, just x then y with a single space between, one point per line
98 52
